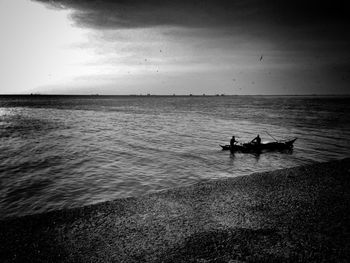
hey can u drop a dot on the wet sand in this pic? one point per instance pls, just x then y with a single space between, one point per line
292 215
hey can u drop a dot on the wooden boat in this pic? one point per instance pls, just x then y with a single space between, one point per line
256 148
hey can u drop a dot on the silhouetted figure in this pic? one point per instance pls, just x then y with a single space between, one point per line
256 140
233 142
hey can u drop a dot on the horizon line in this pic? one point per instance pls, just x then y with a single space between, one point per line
176 95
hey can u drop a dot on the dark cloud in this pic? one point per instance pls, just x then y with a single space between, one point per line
132 14
307 28
203 13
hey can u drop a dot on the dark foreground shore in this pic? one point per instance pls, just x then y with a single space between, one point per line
293 215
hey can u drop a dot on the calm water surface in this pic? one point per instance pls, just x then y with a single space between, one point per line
66 151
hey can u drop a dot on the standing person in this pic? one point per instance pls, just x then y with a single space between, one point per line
256 140
233 142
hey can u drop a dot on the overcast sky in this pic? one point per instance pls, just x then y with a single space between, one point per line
181 47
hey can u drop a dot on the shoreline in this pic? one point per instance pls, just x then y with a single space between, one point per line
294 214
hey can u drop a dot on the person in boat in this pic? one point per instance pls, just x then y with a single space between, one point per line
233 142
256 140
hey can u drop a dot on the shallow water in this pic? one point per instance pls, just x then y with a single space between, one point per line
66 151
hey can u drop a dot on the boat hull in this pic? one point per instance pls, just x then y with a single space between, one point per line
254 148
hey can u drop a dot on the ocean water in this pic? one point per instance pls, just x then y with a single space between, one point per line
68 151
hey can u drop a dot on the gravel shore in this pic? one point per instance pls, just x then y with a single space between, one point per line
300 214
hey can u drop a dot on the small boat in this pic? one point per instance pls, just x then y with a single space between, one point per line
257 148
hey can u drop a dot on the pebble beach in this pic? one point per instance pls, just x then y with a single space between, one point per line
297 214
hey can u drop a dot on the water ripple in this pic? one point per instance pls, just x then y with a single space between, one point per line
58 152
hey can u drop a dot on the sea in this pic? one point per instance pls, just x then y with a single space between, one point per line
60 152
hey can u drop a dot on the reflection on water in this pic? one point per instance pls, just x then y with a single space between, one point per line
70 151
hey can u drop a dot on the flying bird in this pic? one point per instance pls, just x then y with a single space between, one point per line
261 57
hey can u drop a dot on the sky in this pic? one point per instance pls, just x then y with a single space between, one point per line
174 47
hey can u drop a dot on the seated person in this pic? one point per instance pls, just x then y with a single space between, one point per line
256 140
233 141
